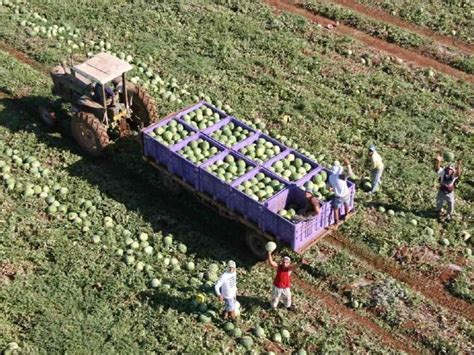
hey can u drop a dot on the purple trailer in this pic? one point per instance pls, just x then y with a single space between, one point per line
262 218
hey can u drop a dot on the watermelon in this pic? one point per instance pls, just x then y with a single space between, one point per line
382 209
270 246
391 213
259 332
237 333
285 334
276 338
155 283
448 156
229 326
246 342
445 241
414 222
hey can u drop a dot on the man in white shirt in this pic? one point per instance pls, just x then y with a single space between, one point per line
377 167
226 290
342 193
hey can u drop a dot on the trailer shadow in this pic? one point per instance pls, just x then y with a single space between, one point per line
123 176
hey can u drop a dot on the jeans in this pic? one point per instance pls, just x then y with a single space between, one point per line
376 177
445 197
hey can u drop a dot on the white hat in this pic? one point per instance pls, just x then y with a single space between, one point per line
231 264
337 170
286 258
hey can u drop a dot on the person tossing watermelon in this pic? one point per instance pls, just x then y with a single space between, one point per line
282 282
448 179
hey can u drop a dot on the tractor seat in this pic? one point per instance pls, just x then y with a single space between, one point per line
86 100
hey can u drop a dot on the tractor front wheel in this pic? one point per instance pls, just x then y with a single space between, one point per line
90 133
47 116
256 243
143 107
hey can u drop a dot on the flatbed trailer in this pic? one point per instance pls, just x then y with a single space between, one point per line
257 233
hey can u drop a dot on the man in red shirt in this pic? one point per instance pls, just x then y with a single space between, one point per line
281 283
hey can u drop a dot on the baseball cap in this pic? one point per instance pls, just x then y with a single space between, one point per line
336 169
450 166
372 148
286 258
231 263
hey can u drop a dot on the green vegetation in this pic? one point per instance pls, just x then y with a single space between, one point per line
452 18
390 33
121 265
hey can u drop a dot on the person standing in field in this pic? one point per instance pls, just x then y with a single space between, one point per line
448 179
226 290
377 168
282 282
342 194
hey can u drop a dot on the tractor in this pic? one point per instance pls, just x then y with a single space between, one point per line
103 103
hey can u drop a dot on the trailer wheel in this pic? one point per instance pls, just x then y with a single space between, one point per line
256 243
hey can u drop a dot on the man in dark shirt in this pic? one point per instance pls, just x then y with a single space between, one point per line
313 207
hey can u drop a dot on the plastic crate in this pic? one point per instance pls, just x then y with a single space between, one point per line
156 150
294 234
245 205
283 155
183 167
211 184
201 104
254 138
210 130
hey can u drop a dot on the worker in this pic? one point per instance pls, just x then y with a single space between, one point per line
110 94
226 290
282 282
448 179
313 206
342 194
377 168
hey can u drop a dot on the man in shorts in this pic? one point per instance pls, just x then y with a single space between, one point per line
282 282
226 290
342 194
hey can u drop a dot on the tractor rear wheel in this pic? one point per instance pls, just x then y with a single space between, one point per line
256 243
90 133
143 107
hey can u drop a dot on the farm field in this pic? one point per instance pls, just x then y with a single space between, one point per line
66 282
453 18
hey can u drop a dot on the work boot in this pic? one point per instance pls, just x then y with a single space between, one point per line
291 308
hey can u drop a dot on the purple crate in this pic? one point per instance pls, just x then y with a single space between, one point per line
210 130
295 234
183 167
254 138
211 184
156 150
246 206
201 104
284 154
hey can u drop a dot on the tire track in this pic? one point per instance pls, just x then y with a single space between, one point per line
429 288
380 15
348 315
372 42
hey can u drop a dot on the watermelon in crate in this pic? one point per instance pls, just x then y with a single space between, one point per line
250 192
217 174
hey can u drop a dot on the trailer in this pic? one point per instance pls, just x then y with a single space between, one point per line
261 217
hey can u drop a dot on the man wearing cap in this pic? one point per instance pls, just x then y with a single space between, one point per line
448 179
226 290
282 282
342 194
377 167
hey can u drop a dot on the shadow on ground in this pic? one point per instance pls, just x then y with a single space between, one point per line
123 176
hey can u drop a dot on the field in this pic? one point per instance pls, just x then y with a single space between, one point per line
382 283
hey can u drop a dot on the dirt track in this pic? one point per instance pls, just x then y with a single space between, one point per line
348 315
372 42
427 287
381 15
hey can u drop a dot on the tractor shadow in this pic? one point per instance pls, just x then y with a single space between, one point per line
123 176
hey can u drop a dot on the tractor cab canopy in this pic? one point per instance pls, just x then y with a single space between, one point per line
102 68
